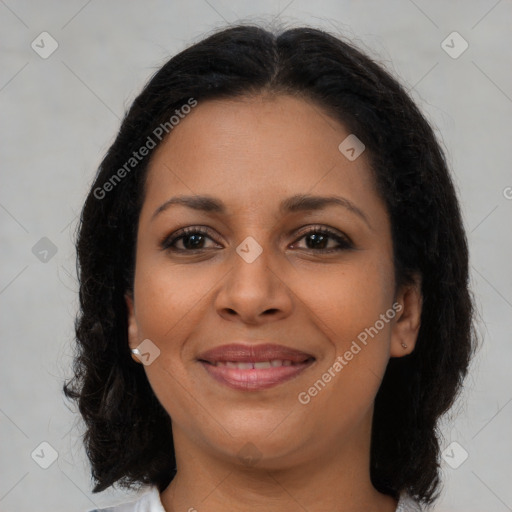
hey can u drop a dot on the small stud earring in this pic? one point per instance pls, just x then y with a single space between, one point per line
135 352
404 345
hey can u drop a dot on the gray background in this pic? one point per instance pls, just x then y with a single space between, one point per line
60 114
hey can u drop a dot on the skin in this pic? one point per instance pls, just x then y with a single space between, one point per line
252 153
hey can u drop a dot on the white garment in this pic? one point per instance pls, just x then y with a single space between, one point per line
150 502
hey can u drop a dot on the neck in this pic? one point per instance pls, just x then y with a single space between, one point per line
337 480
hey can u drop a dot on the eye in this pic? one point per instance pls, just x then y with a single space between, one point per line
191 238
318 239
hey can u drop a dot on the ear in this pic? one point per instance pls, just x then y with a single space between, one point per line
133 330
406 325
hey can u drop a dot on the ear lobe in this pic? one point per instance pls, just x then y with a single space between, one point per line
133 330
406 326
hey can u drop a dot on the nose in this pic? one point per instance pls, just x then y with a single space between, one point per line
254 292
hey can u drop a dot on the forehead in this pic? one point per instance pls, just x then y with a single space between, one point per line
250 151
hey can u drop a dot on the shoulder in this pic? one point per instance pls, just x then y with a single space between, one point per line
148 502
407 504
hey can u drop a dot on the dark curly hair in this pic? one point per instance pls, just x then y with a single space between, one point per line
128 436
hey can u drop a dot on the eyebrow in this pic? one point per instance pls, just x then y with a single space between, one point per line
296 203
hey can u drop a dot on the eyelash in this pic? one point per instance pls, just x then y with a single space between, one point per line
168 242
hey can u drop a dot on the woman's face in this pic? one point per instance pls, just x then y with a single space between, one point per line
255 275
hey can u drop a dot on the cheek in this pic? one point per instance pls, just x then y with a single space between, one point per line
354 308
349 312
348 298
167 297
169 303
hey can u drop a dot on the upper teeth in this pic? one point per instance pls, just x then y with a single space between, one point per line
257 365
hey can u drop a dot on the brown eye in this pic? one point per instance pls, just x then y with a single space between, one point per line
318 240
192 239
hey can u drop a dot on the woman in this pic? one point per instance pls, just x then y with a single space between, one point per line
274 303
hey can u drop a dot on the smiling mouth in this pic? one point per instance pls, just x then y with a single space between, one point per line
257 365
248 367
255 375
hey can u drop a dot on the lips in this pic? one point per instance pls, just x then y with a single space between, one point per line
254 367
